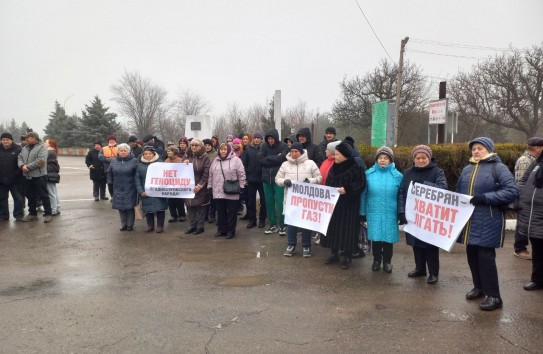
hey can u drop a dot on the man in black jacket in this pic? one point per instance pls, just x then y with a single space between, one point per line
313 151
253 172
10 179
272 154
329 137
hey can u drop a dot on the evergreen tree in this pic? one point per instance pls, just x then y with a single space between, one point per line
63 128
97 123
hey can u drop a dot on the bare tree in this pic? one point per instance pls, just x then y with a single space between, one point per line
188 103
254 116
359 93
506 90
140 100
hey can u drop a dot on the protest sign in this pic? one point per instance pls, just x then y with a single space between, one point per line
170 180
310 206
436 216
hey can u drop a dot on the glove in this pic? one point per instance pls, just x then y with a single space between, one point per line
401 219
478 200
287 183
363 219
307 180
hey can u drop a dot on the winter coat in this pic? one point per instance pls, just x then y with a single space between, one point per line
108 154
272 156
97 173
53 168
486 227
35 158
359 160
530 215
200 163
430 175
251 162
298 170
148 204
291 137
10 172
325 167
380 203
313 151
324 144
233 170
121 174
344 228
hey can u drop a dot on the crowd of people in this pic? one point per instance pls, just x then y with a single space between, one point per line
257 169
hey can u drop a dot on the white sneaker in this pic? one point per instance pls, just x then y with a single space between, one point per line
289 251
271 230
306 252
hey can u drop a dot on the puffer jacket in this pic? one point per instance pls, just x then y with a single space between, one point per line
9 170
430 175
35 158
148 204
272 156
298 170
380 203
232 167
253 168
486 227
530 215
201 164
121 173
108 154
313 151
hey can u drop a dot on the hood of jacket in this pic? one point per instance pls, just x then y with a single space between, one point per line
299 160
154 159
305 132
492 157
273 133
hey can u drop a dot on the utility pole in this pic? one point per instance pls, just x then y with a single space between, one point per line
399 89
441 133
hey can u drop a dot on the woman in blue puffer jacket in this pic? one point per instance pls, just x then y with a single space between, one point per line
492 185
381 208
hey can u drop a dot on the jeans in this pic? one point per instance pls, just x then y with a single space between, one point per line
292 232
16 191
34 189
274 195
128 217
53 197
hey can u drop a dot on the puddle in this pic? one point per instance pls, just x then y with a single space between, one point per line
35 286
252 280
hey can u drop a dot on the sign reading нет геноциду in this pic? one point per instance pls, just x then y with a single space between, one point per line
170 180
435 215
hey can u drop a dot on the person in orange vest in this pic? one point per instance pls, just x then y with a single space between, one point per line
107 154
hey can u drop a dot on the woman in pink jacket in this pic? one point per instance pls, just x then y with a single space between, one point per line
226 166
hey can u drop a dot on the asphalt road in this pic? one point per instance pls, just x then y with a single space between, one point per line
79 285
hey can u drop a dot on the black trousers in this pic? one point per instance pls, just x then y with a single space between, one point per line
537 260
110 189
227 215
16 190
427 256
34 189
252 188
160 216
99 189
177 207
211 209
382 251
521 242
482 263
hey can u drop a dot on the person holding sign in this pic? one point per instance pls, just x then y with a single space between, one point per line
197 207
424 171
176 205
298 167
226 169
492 185
344 226
150 205
381 209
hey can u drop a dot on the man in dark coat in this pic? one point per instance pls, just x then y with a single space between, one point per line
253 173
133 143
157 144
313 151
272 154
329 137
10 179
97 172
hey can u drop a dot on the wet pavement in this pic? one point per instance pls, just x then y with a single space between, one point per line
79 285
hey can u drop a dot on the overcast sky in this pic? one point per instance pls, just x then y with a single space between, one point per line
235 51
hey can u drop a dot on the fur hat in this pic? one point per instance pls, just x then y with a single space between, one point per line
208 142
421 148
345 149
7 136
297 146
483 140
111 137
332 146
385 150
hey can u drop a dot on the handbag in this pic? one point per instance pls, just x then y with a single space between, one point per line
230 186
138 211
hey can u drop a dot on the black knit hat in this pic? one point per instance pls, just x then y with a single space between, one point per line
330 130
345 149
208 142
7 136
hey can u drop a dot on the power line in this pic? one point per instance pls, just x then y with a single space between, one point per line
458 45
441 54
376 36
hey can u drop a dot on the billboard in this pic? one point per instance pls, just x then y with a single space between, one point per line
382 123
438 111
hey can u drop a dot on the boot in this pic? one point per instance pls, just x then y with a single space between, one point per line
346 264
334 258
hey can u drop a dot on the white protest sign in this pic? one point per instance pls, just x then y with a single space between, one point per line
310 206
436 216
170 180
